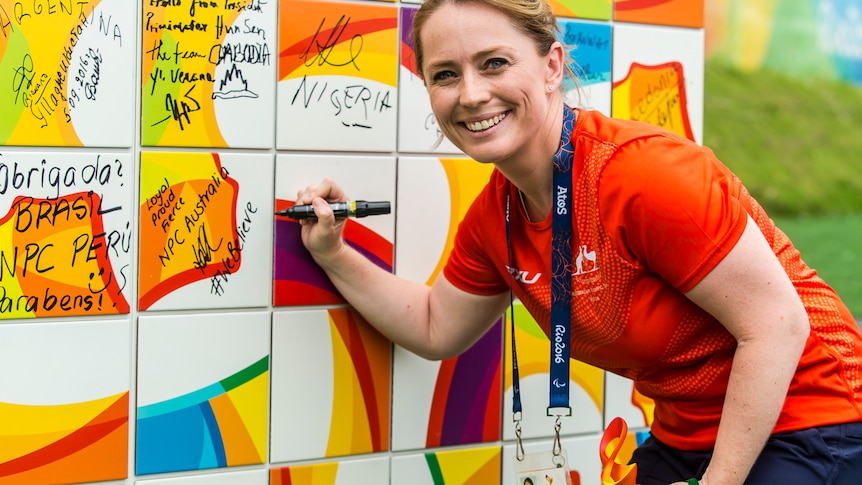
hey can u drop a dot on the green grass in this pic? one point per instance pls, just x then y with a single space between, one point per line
797 146
831 245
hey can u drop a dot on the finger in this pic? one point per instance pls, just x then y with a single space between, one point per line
301 194
327 190
322 210
331 191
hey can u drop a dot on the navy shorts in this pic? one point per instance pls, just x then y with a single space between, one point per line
825 455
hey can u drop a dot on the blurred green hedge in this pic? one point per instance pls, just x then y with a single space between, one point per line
795 143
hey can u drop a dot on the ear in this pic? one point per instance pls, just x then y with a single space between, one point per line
556 64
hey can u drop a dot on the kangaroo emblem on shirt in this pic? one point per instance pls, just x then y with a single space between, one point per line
583 255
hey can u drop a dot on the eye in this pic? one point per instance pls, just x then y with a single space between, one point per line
496 63
442 77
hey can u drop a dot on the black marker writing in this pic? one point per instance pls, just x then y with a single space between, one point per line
661 99
320 50
233 85
354 104
257 53
24 178
23 79
431 124
191 26
195 4
231 262
37 8
5 22
34 214
180 109
48 302
203 251
89 73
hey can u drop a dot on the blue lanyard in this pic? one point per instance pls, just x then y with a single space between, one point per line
516 383
561 271
561 280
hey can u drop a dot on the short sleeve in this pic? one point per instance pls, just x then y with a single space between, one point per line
673 206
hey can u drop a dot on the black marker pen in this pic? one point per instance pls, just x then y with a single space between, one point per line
342 210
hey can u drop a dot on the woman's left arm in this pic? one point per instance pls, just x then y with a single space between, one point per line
751 295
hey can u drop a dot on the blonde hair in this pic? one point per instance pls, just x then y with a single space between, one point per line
534 18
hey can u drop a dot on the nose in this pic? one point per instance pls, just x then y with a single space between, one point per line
474 90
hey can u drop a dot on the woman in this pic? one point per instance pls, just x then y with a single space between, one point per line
682 284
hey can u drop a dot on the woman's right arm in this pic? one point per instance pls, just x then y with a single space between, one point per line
434 322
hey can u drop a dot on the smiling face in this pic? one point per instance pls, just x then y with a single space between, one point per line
488 83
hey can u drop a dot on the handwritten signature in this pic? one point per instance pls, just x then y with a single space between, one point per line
180 109
320 49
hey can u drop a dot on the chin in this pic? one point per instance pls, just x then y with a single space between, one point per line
482 157
483 152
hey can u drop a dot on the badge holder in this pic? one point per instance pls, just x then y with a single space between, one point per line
542 468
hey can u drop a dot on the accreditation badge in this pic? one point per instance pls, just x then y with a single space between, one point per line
546 468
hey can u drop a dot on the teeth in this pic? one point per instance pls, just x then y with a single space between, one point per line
485 124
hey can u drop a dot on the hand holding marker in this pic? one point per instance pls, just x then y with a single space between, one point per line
342 210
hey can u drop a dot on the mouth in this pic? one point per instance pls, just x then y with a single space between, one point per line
482 125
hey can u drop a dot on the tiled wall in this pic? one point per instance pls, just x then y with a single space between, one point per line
158 325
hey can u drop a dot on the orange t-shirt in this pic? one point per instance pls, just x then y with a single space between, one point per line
653 214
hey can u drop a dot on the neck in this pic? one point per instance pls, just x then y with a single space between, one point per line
536 204
533 174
